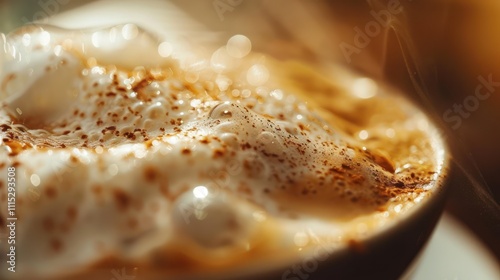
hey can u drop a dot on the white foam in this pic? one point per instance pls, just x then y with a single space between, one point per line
168 156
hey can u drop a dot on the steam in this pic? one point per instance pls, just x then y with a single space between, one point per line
466 168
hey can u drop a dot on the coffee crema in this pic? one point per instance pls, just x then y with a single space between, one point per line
134 153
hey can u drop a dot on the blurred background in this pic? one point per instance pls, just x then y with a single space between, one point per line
444 54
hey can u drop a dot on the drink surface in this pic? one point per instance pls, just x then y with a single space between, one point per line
134 152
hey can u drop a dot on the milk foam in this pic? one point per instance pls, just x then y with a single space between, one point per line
125 151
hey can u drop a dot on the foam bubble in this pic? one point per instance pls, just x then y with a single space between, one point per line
130 31
364 88
221 61
210 221
257 75
238 46
165 49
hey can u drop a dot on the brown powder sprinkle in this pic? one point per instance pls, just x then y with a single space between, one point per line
48 224
122 199
97 190
50 191
150 173
56 245
132 223
72 213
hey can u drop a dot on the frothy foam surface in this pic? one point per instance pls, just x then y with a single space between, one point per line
230 158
